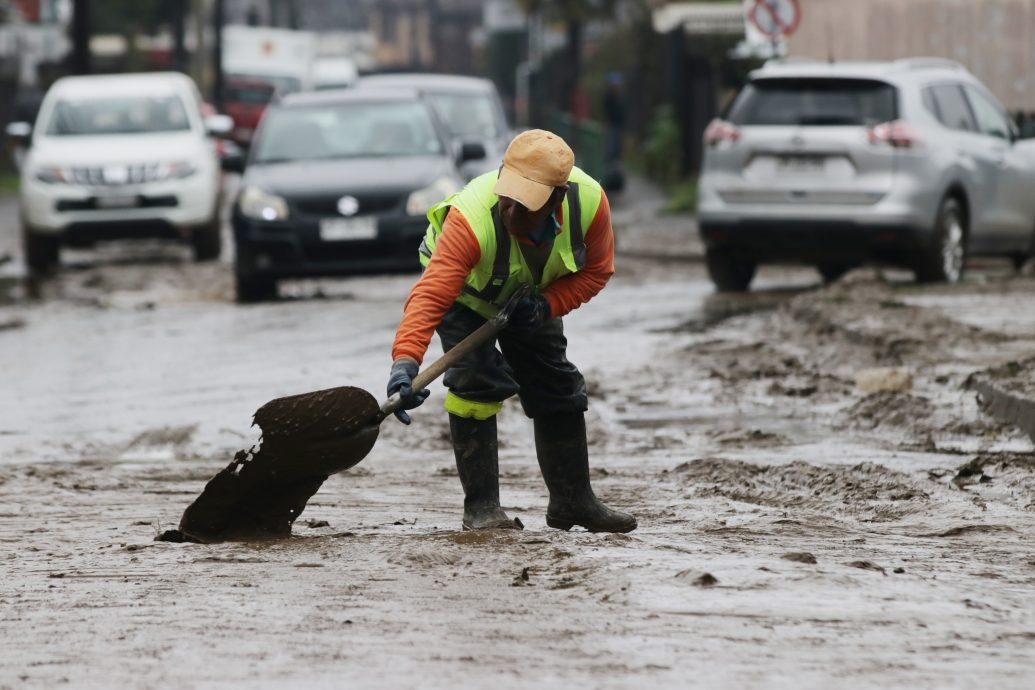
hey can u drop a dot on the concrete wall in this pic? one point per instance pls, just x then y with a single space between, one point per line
994 39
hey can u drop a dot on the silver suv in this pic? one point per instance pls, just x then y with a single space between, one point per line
910 163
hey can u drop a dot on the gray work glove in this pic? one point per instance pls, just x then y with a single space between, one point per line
400 381
529 314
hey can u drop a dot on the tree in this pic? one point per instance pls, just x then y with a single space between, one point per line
123 16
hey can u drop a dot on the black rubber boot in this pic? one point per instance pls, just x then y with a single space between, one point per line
560 443
477 461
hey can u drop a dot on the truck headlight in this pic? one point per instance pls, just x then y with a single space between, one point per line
421 200
177 170
51 174
260 205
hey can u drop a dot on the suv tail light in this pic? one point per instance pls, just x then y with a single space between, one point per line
720 131
899 133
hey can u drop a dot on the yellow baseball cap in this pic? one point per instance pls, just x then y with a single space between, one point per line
535 163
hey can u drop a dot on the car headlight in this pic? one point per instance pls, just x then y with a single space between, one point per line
177 170
260 205
421 200
51 175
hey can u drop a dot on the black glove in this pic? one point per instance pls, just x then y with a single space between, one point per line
400 381
529 314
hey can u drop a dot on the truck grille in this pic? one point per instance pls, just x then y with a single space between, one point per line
112 175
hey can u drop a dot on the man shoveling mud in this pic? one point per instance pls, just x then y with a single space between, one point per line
484 248
540 221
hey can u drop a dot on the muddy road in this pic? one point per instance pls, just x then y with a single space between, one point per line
795 530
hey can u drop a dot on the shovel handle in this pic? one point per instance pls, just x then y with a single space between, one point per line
486 332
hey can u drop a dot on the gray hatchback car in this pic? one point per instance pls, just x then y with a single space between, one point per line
911 163
469 107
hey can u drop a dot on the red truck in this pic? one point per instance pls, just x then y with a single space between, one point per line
245 100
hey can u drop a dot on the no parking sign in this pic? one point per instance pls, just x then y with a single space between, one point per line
774 19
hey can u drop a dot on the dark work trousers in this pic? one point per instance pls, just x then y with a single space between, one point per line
533 365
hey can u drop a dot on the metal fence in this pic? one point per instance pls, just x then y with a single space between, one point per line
586 138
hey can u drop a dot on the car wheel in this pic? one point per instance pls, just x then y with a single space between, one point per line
207 240
942 261
832 272
42 251
252 288
731 272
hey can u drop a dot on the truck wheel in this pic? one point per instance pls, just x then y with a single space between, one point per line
729 271
942 261
42 251
207 240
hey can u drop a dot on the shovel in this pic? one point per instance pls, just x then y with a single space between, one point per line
305 438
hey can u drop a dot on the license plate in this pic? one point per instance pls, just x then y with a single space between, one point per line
339 229
801 164
116 201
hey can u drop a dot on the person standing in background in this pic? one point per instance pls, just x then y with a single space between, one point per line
614 116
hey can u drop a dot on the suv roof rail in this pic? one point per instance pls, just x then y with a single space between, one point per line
929 63
790 60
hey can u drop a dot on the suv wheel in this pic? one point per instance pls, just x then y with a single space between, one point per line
42 251
251 284
942 261
207 240
731 272
832 272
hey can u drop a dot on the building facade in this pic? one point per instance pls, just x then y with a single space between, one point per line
994 39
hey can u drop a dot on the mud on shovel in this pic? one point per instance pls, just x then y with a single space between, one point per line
305 439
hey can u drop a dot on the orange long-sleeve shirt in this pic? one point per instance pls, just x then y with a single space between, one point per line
457 252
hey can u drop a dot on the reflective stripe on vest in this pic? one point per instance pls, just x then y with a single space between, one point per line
500 264
500 269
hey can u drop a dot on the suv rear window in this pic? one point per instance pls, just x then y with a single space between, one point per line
815 102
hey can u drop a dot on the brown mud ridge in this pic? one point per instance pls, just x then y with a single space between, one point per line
870 316
888 408
867 490
854 324
812 346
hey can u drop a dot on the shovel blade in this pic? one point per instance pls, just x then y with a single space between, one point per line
305 438
322 432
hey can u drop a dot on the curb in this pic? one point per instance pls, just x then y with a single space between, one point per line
1005 405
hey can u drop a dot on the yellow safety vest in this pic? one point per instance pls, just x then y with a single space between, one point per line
501 269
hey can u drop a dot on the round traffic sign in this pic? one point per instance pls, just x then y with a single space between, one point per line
775 18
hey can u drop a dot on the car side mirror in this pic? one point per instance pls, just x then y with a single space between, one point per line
19 132
471 151
219 125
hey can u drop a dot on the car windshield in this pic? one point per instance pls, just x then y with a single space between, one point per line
126 115
350 130
283 84
468 115
816 102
